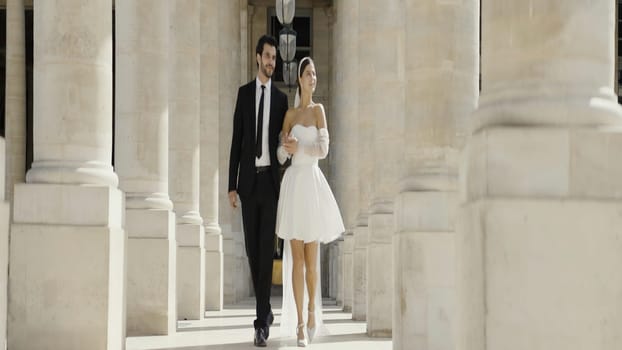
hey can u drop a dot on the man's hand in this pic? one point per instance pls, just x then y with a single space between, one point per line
233 199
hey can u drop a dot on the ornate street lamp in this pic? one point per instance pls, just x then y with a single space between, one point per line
285 11
290 69
287 40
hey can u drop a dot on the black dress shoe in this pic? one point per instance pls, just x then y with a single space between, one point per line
270 318
270 321
260 338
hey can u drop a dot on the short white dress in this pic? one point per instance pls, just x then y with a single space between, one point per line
307 211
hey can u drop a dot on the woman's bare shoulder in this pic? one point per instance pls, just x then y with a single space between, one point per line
318 108
319 114
290 116
291 111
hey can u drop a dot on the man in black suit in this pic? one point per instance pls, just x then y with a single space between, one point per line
254 175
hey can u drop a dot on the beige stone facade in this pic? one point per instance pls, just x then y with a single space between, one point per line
478 173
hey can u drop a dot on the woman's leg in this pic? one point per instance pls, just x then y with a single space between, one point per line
298 256
310 256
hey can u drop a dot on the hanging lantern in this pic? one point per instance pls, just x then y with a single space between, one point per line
287 44
285 11
290 70
287 40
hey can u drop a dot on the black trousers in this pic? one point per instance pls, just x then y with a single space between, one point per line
259 218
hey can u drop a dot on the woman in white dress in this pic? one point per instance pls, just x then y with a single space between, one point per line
307 212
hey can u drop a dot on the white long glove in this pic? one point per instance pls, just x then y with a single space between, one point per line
281 153
319 148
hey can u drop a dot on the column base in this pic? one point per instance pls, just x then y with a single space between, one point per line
214 259
67 281
380 291
424 309
338 276
348 243
541 274
380 276
242 271
359 272
190 272
4 264
544 162
151 272
230 262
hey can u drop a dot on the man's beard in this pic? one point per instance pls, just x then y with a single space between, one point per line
264 70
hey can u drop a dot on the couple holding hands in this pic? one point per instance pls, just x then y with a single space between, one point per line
300 209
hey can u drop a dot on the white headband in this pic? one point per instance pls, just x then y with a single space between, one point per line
300 64
297 96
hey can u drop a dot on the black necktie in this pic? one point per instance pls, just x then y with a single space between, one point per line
259 137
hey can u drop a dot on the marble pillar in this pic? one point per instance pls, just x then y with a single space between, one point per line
15 87
332 276
364 160
359 272
346 272
441 93
338 273
141 158
381 26
67 248
184 156
540 241
344 130
209 155
4 250
230 79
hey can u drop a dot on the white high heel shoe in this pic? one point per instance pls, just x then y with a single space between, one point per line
311 331
301 342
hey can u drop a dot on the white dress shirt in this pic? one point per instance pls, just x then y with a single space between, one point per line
265 153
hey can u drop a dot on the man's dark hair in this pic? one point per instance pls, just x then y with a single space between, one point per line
265 39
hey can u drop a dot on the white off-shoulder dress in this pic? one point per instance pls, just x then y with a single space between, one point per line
307 211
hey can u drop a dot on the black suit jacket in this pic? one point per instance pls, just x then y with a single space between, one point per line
242 171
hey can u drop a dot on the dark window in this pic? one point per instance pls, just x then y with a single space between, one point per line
618 80
303 25
28 23
2 68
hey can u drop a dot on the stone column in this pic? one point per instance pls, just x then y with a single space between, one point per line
141 158
344 130
184 120
381 25
540 228
359 272
347 281
441 93
209 154
67 243
328 283
338 276
364 160
15 87
228 58
4 251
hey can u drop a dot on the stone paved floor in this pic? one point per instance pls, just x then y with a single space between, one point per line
231 329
